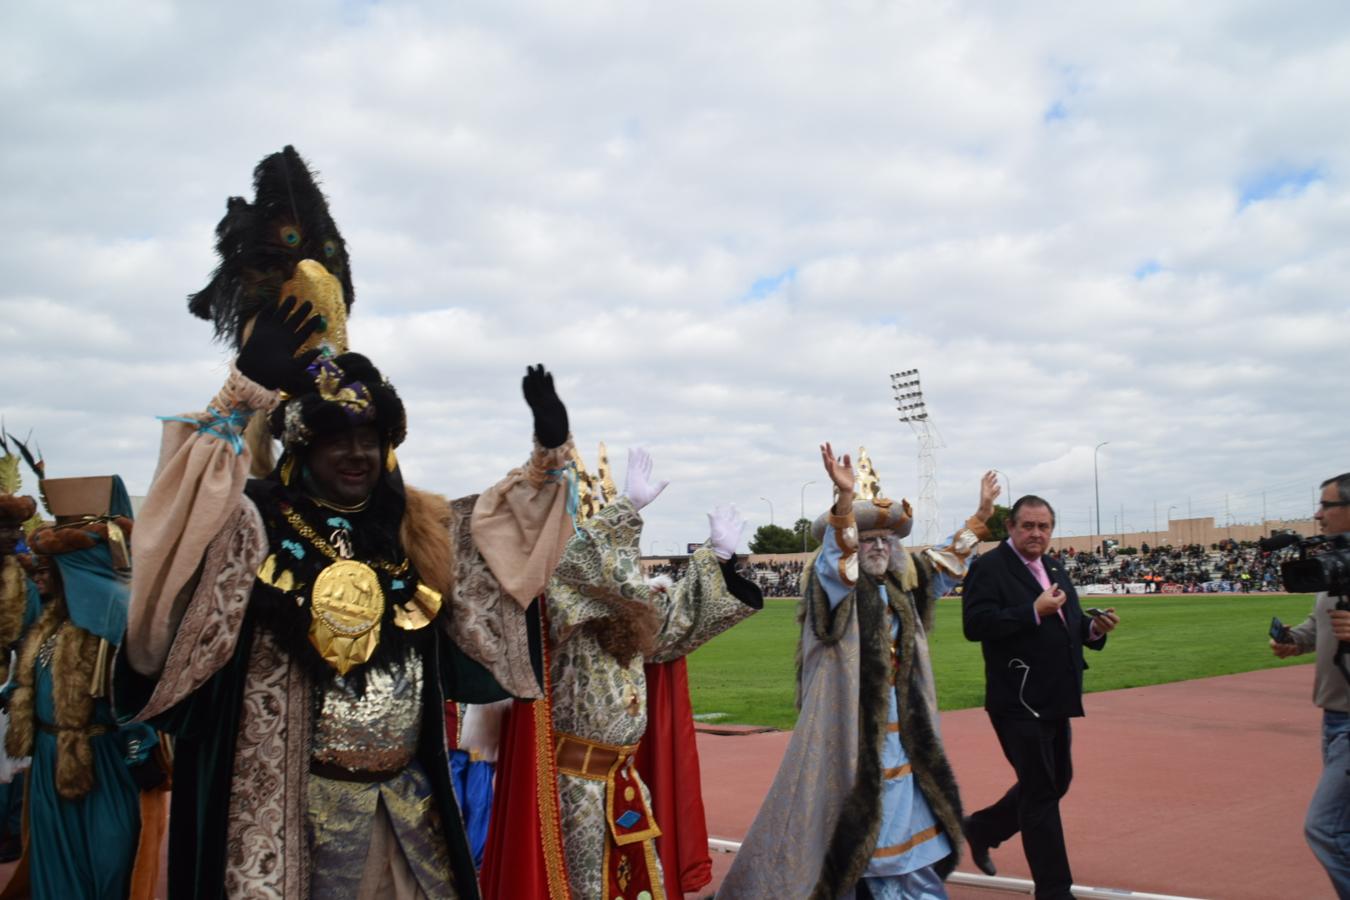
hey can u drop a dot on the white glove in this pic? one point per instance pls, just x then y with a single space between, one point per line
637 482
725 529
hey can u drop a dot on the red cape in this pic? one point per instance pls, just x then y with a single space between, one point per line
667 760
524 855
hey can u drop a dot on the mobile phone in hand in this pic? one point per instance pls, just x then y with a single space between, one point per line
1094 611
1279 632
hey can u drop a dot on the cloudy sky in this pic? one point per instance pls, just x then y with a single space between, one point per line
723 225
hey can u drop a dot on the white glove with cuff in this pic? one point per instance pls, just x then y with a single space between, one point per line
725 529
637 481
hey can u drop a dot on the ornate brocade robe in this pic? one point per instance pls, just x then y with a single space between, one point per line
863 682
200 660
597 594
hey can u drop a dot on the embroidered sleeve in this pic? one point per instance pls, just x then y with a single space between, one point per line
837 563
952 557
198 485
696 609
198 635
521 524
483 620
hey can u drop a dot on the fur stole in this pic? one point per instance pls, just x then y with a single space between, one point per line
629 628
425 534
72 671
13 601
53 540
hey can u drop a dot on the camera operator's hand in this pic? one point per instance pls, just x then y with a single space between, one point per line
1050 600
1340 624
1283 651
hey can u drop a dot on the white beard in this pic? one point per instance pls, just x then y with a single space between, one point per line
876 566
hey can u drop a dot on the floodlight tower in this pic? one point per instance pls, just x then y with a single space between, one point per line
913 411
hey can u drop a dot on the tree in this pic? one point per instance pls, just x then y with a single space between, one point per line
801 532
775 539
998 522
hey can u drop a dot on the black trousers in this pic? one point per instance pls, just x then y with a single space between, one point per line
1038 750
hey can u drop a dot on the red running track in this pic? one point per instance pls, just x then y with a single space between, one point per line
1196 789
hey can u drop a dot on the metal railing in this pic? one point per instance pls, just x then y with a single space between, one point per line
1005 884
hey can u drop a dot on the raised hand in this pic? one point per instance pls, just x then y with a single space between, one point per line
637 482
840 470
550 416
725 529
268 357
989 491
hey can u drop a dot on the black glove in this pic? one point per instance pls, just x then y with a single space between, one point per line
269 356
550 416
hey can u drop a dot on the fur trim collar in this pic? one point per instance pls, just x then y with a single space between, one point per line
72 665
53 540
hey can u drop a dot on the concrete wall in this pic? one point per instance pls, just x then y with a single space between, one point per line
1199 530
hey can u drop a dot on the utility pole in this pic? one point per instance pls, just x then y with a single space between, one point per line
804 530
1096 494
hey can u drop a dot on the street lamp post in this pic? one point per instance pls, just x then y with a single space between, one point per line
770 502
1096 493
1169 524
1008 482
804 530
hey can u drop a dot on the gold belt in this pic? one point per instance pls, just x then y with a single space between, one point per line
589 759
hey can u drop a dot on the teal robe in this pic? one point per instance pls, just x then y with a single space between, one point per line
84 848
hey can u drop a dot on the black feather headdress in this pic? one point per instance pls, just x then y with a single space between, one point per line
262 245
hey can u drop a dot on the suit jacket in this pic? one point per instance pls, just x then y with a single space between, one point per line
1027 666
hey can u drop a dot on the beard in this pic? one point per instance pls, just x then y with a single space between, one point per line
875 564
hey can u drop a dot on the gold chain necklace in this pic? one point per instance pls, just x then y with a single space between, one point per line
302 527
336 507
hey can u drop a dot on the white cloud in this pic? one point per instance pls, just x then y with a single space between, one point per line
1039 205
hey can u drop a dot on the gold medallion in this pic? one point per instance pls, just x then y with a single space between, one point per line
347 606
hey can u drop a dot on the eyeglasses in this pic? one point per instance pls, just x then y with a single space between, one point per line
1332 504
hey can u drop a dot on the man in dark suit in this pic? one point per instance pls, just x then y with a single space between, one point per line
1024 611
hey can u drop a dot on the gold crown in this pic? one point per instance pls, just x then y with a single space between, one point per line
594 492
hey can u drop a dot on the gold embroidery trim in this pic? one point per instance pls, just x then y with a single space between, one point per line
546 778
896 849
897 772
649 849
893 727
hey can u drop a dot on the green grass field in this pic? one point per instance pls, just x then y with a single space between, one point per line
748 674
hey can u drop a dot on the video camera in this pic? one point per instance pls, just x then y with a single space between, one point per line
1323 563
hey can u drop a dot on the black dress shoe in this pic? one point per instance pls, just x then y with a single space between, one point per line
979 852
